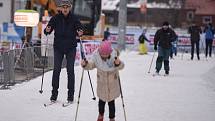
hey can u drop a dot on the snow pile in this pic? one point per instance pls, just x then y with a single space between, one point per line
209 76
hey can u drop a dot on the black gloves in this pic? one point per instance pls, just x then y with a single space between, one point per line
155 47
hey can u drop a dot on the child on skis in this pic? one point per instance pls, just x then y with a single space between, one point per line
106 60
142 45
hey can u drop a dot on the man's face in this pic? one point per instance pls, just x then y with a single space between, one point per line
165 27
65 9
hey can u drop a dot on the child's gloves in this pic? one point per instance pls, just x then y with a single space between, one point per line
80 32
84 62
117 62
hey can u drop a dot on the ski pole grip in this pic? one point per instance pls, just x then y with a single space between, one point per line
86 62
116 64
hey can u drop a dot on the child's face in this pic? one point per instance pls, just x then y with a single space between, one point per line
105 57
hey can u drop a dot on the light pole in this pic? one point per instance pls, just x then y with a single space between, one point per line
12 10
122 22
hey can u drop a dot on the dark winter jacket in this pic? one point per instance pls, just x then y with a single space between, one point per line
106 35
163 38
142 38
194 33
65 31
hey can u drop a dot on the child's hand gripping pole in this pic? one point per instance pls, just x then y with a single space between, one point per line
84 63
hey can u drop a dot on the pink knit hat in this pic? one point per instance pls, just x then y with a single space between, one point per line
105 48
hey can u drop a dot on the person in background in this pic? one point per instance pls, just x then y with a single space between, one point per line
106 34
163 38
108 64
142 46
209 36
174 48
194 31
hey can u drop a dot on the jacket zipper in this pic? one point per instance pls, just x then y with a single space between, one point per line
108 85
63 26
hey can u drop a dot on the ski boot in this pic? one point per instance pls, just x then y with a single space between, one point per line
166 73
156 73
100 118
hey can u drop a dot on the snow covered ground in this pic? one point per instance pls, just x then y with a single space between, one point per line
188 94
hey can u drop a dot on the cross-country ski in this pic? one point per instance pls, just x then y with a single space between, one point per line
50 103
66 104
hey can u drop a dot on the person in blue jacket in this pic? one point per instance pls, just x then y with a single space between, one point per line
174 47
209 36
66 28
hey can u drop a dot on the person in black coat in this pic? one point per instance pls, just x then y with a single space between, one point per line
66 27
194 31
106 34
163 38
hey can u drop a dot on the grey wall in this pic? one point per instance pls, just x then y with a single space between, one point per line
5 11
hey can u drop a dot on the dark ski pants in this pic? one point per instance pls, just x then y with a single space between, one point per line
208 44
111 106
197 49
163 55
70 59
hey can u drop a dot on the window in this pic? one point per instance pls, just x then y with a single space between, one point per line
190 15
207 19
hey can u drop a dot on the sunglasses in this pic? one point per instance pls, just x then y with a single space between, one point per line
65 6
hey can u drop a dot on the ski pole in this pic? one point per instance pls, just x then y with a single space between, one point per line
83 57
151 62
79 95
182 55
123 104
120 87
94 98
41 88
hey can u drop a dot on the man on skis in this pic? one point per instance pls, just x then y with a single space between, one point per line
163 38
66 27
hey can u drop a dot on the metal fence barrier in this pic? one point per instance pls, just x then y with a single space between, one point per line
20 65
